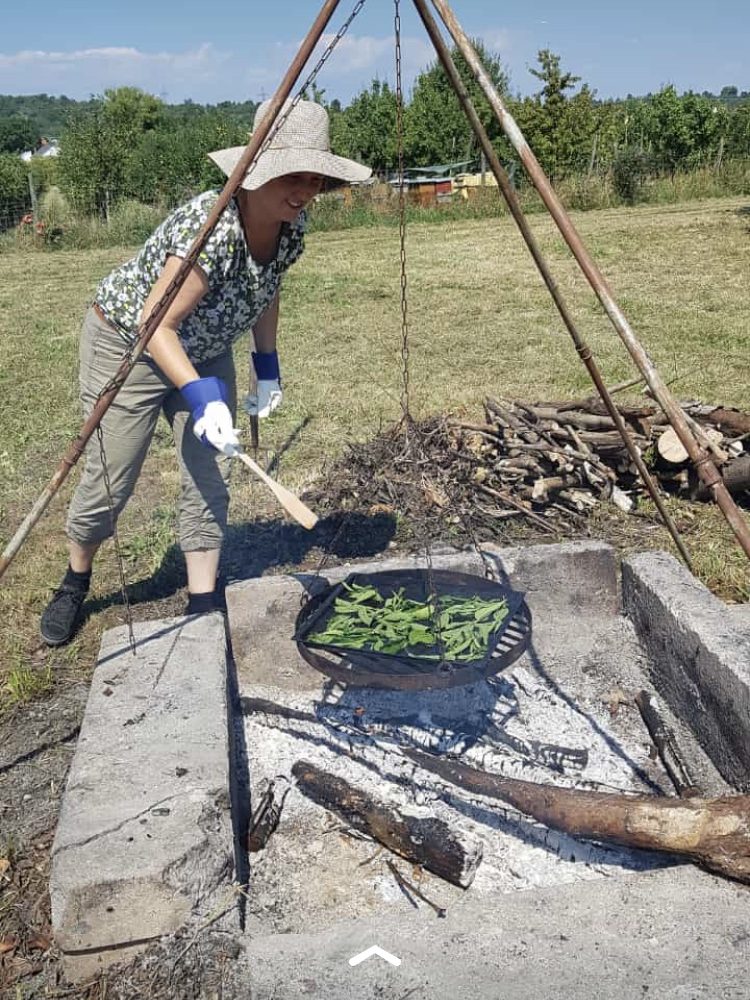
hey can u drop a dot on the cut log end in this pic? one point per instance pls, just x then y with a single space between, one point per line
714 833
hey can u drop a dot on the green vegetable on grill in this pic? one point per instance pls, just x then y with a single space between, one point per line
458 627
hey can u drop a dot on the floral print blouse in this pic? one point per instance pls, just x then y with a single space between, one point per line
239 289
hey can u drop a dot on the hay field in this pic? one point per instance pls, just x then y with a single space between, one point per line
480 322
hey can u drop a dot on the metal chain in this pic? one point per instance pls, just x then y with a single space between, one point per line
116 540
310 80
328 546
402 223
413 436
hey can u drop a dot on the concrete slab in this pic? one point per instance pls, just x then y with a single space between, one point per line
677 934
700 653
144 835
262 613
741 615
573 689
580 579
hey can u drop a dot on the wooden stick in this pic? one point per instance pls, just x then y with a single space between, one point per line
409 889
425 840
627 384
506 498
291 504
714 833
666 744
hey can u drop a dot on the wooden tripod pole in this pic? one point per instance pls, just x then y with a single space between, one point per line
516 211
149 326
700 458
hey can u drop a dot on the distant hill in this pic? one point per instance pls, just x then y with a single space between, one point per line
48 115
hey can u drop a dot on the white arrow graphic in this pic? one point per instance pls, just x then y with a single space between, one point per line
374 950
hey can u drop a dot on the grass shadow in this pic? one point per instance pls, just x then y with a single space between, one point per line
255 548
744 214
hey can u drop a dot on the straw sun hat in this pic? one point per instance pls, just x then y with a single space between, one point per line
301 145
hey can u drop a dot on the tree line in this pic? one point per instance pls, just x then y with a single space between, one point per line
569 130
129 144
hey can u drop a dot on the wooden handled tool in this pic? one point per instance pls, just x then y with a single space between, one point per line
254 434
292 504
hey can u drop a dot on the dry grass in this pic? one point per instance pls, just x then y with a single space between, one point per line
480 322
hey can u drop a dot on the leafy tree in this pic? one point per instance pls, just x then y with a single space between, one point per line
708 122
668 129
366 130
86 166
14 189
14 182
610 118
16 134
98 146
738 131
437 130
560 129
169 166
129 112
555 81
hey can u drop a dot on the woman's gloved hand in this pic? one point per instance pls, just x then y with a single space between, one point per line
212 418
268 395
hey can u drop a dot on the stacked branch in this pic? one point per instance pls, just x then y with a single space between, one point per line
548 464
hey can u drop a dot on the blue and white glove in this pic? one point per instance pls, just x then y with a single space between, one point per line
212 418
268 394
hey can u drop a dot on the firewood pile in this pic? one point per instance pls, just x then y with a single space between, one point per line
548 463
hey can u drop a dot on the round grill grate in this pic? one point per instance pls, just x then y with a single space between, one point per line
402 671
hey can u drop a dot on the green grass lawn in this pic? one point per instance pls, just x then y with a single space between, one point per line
480 323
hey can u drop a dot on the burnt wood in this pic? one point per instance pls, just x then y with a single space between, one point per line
426 841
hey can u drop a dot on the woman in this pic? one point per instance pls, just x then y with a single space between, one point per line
188 371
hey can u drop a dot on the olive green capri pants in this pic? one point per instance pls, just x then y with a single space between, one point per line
128 427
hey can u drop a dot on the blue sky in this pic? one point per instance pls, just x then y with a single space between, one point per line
228 50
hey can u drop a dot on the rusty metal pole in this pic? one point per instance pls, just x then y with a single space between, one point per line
700 458
516 211
151 323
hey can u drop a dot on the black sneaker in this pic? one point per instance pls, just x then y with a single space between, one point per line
61 617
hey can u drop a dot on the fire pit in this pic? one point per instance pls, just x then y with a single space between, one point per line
560 712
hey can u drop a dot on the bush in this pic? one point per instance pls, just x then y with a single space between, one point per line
584 192
631 168
54 209
44 173
15 199
132 222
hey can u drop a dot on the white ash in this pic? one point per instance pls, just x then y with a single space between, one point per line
517 726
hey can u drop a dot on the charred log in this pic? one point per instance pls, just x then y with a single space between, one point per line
426 841
665 742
